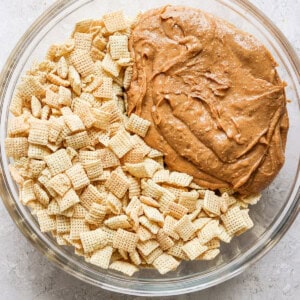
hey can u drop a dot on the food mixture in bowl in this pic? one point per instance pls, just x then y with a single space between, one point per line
141 143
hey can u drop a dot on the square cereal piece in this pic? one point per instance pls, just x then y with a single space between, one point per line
77 227
93 169
153 227
40 194
200 223
78 176
212 203
110 66
78 140
248 221
63 224
165 242
18 126
134 189
83 41
60 183
55 127
74 79
176 210
149 201
134 156
161 176
169 227
118 222
124 267
118 45
90 195
135 258
151 189
36 107
16 147
117 184
27 192
101 257
16 104
120 144
47 223
153 214
83 62
253 199
152 256
143 169
51 99
193 248
79 211
62 68
209 231
105 90
143 233
115 21
53 208
209 254
147 247
96 214
177 251
185 228
58 162
125 240
165 263
138 125
69 199
37 151
234 220
114 205
180 179
64 96
93 240
189 200
74 123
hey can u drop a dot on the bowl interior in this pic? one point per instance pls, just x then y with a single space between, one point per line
272 210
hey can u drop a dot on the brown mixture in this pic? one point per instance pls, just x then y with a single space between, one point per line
216 104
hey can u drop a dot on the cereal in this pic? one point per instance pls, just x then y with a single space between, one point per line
124 267
118 222
47 223
16 147
69 199
138 125
78 177
77 228
115 21
193 248
93 240
125 240
101 257
90 195
165 263
87 174
185 228
117 184
110 66
58 162
118 45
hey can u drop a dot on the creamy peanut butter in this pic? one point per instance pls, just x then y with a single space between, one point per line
213 96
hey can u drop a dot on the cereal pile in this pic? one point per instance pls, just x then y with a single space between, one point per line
85 172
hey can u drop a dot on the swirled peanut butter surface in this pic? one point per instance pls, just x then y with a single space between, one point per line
213 96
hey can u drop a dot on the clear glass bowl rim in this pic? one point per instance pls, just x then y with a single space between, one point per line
191 285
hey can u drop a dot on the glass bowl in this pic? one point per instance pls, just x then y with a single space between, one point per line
272 215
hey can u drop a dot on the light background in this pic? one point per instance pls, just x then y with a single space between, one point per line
25 274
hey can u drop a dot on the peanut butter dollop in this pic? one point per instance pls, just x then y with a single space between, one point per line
213 96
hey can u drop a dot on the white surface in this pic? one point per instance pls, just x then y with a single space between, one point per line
25 274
